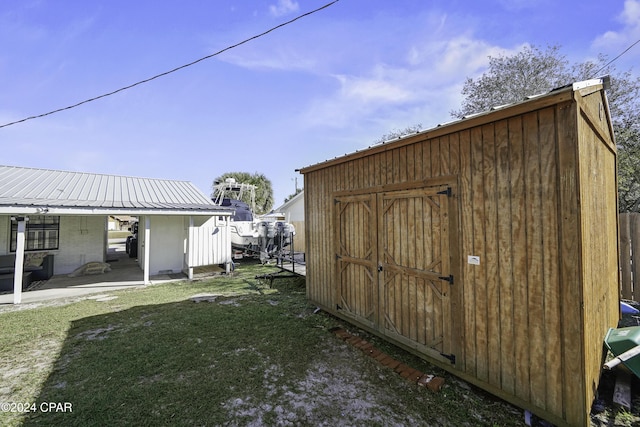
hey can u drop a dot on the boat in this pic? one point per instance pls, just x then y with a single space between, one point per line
264 236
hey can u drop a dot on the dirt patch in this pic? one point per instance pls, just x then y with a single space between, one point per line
328 394
17 374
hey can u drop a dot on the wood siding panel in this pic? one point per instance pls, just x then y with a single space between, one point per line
550 254
625 257
519 209
456 302
426 160
419 166
435 158
410 167
445 153
635 250
491 257
478 221
571 265
599 250
535 286
506 283
629 248
469 271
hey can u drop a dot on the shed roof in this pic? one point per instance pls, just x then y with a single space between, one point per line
563 93
31 190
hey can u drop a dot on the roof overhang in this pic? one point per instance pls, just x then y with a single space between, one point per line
66 210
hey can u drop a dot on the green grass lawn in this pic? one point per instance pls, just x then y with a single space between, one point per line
254 356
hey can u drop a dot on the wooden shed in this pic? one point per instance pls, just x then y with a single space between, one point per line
488 246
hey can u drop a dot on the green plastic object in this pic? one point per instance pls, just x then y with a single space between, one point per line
622 339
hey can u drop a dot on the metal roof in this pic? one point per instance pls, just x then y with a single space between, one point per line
43 188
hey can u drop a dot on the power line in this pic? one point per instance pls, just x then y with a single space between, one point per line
610 62
175 69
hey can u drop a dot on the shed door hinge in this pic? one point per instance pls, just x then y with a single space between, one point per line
448 278
448 192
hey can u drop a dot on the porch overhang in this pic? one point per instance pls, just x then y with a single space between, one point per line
21 214
44 209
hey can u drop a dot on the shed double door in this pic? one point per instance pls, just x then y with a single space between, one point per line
393 265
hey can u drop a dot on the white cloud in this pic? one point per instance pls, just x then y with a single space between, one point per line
283 7
278 58
449 59
631 14
382 86
422 89
613 41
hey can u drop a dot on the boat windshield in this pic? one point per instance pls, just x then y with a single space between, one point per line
242 212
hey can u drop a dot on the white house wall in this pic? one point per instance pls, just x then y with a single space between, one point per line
166 250
294 214
81 240
295 211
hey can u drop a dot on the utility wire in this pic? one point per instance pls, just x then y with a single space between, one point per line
175 69
610 62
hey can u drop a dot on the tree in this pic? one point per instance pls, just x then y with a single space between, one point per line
399 133
291 196
532 71
263 193
629 170
512 78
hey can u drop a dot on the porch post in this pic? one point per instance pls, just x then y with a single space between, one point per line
19 265
190 249
227 244
147 241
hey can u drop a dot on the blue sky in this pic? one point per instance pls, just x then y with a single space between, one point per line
328 84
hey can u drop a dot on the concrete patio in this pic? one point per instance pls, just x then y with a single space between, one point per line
125 274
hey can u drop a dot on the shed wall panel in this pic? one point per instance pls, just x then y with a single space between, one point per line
599 250
552 316
518 228
506 347
571 265
469 273
478 231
